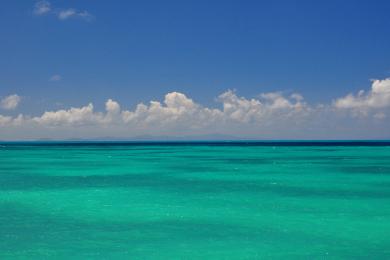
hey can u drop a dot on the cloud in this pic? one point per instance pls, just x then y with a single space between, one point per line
73 13
65 14
80 116
74 116
5 120
85 15
11 102
177 111
256 110
270 115
378 97
55 78
112 107
380 115
42 7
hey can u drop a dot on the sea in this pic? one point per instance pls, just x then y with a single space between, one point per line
195 200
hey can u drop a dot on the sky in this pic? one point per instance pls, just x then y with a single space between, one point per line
246 69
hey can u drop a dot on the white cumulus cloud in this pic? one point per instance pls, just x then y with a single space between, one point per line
255 110
11 102
378 97
112 107
73 116
177 110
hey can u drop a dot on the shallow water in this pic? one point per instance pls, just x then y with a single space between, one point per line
194 201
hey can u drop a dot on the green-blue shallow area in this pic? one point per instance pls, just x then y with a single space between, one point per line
194 200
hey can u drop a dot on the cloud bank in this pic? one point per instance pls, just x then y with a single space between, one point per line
271 115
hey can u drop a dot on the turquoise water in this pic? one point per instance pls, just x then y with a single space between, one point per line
194 202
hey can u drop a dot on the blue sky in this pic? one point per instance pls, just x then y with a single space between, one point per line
137 51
